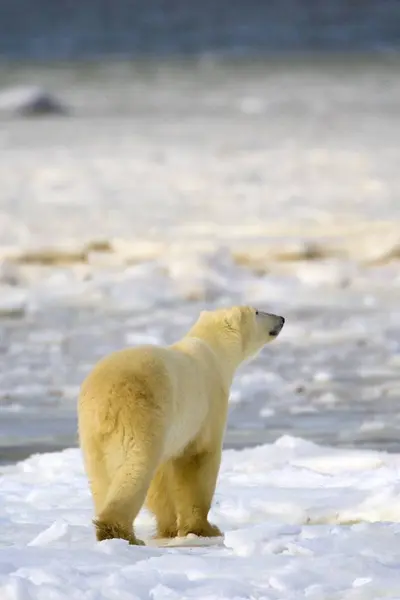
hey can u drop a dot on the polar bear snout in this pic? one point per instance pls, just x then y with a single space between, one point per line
273 323
276 329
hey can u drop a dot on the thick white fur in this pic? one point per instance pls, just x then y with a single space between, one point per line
152 420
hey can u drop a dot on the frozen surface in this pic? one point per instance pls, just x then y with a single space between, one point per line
177 186
300 521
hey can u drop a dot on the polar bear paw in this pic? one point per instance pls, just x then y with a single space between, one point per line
110 531
204 529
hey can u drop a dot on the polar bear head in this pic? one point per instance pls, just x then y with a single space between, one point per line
244 328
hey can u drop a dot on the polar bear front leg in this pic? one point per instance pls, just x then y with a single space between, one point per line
194 479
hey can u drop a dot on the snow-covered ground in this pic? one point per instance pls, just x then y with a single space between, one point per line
300 521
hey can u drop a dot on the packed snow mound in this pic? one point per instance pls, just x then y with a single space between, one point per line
300 521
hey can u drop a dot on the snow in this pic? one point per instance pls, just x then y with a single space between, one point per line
171 189
300 521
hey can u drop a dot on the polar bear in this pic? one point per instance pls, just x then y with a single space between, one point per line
152 420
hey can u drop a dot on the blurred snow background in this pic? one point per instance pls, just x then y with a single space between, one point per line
168 179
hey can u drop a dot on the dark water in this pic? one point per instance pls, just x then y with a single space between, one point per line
46 29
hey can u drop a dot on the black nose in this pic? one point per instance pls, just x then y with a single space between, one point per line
277 328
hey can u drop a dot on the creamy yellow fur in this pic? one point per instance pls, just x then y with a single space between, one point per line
152 420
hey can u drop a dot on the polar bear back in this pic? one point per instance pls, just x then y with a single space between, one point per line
180 384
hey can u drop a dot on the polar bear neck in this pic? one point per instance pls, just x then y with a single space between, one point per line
224 351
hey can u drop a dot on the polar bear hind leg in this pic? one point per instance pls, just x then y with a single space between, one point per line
160 502
99 481
127 492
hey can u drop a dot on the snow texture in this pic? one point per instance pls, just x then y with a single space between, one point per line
300 521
